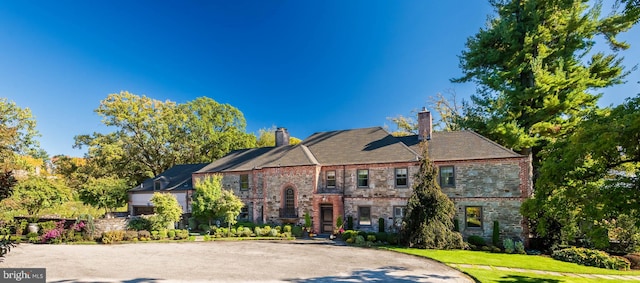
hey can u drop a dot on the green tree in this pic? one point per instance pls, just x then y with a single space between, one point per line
108 193
167 208
17 134
211 201
590 177
7 182
428 222
536 70
151 136
36 193
267 138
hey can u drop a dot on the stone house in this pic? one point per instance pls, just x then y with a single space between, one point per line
367 174
175 180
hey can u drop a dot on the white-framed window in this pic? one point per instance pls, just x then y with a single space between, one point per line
244 181
401 177
447 176
363 178
398 215
331 179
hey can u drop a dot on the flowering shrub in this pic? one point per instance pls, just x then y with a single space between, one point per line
54 236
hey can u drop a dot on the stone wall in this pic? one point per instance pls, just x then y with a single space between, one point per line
109 224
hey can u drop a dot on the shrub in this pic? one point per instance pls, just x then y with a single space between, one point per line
266 231
371 238
155 235
590 257
257 231
144 235
495 237
485 248
349 241
508 245
349 234
381 225
129 235
273 233
296 231
278 229
634 259
359 240
495 249
182 234
246 232
163 234
382 237
287 228
46 227
392 238
519 247
139 223
204 227
33 237
111 237
206 238
476 240
171 234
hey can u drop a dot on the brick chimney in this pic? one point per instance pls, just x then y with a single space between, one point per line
425 124
282 137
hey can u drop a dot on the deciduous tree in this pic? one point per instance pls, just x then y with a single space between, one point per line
108 193
151 136
17 133
211 201
167 208
267 138
37 193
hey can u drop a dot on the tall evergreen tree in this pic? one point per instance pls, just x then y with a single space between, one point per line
428 222
536 70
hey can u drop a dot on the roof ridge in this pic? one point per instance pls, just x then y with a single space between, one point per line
309 154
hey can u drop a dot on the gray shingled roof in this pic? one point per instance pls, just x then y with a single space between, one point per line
361 146
460 145
358 146
175 178
255 158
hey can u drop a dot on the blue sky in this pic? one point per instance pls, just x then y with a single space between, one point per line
306 66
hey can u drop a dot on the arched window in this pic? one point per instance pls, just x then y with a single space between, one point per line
288 199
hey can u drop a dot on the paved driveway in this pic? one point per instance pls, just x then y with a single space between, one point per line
242 261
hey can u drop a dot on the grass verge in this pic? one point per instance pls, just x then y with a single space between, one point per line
530 262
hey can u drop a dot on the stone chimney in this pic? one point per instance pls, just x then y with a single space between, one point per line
425 124
282 137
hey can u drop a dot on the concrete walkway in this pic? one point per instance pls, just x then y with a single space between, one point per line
552 273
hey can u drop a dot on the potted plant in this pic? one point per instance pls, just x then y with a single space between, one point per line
307 224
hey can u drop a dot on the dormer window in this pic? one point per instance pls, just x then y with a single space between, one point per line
157 185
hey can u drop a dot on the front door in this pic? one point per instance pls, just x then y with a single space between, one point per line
327 219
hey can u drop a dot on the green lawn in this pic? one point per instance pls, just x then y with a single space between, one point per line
514 261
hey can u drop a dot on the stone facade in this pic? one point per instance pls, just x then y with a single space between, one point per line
497 186
367 175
